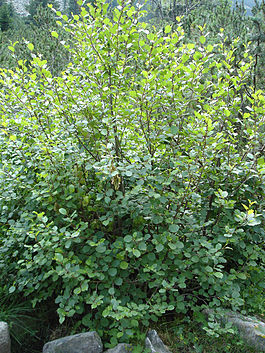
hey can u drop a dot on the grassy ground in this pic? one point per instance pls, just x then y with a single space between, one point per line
190 337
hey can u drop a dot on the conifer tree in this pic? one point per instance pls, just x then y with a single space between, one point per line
38 32
73 8
35 5
6 14
216 15
258 40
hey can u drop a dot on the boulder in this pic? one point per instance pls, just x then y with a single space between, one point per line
88 342
121 348
250 329
154 343
5 345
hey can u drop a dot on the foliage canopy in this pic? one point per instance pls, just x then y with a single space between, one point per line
133 183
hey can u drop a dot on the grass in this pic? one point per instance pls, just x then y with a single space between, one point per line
190 337
17 316
21 318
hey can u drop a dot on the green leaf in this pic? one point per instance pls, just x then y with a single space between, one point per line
61 319
142 246
86 320
71 188
180 305
174 130
84 286
159 247
172 246
58 257
12 289
124 265
106 222
118 281
86 202
101 248
242 275
218 274
68 243
190 46
182 285
30 46
63 211
209 48
54 34
128 238
167 29
180 245
173 228
112 271
157 219
111 291
208 269
197 56
77 290
136 253
202 39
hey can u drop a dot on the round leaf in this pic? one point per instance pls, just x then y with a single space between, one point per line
62 211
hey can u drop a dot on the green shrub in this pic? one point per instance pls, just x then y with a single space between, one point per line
133 183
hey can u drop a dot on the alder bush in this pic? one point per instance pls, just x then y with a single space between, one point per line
132 184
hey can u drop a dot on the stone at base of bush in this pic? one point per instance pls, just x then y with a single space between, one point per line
121 348
88 342
5 345
251 330
154 343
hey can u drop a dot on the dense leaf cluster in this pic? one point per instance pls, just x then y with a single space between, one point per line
132 184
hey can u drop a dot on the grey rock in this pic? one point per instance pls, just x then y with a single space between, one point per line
250 329
154 343
121 348
88 342
5 344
